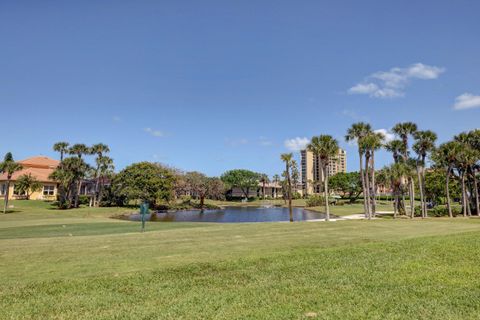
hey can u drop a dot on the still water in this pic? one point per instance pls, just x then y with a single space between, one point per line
234 214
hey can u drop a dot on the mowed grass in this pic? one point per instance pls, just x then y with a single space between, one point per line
99 268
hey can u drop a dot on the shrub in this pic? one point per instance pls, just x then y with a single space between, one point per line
83 199
315 201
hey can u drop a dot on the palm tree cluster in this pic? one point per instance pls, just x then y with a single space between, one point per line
73 170
460 158
411 149
368 141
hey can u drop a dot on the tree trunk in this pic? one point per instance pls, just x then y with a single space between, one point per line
367 186
420 187
411 200
374 189
263 190
202 202
464 200
449 205
289 182
360 155
325 184
475 186
77 193
7 194
395 204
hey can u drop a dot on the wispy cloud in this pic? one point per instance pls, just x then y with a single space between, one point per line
116 119
236 142
466 101
392 83
388 135
265 142
354 115
153 132
296 144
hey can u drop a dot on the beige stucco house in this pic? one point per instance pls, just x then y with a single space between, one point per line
39 167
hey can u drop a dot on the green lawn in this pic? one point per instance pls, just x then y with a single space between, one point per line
80 264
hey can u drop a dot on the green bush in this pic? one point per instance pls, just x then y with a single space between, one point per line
83 199
315 201
439 211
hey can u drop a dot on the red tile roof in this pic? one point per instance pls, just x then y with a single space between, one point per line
40 167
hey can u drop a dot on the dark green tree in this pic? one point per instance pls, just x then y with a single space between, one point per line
241 178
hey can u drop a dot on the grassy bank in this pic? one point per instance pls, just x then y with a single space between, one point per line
79 264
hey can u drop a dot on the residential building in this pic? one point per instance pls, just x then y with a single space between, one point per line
272 190
312 175
41 168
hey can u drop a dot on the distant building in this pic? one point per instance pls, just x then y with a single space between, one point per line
272 190
312 176
39 167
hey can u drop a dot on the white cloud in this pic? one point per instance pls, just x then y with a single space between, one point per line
466 101
116 119
155 133
296 144
392 83
386 133
363 88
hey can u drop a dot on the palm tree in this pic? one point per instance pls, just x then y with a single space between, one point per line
424 144
8 167
287 158
397 148
79 150
99 149
105 169
370 143
324 147
396 173
61 147
355 133
264 180
276 181
446 156
28 184
404 130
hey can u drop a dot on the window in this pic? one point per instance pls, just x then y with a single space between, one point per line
48 190
3 189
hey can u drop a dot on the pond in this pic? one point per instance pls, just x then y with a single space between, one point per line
233 215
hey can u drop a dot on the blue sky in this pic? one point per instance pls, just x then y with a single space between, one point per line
217 85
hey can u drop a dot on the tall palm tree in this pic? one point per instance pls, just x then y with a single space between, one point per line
325 147
396 173
100 150
8 167
446 156
264 180
61 147
370 143
424 144
276 181
287 158
404 130
466 159
397 148
356 132
105 170
79 149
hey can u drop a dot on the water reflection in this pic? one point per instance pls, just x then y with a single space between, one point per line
234 214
